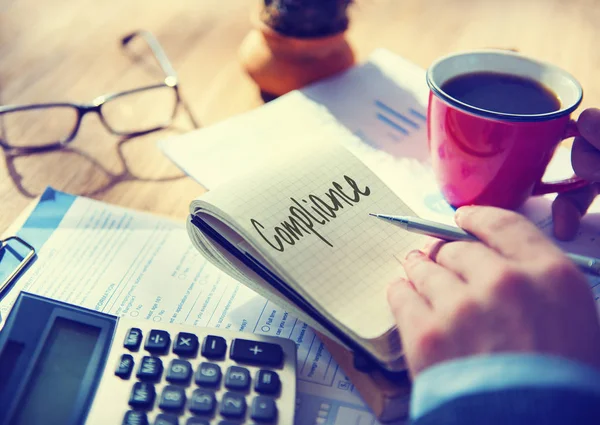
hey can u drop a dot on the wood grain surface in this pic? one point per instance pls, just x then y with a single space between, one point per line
58 50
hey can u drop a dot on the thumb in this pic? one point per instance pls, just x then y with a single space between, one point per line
568 208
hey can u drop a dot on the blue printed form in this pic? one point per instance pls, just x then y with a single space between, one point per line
138 265
36 230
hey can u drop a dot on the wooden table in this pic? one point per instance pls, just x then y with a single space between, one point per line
68 50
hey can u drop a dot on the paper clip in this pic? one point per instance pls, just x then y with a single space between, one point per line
25 260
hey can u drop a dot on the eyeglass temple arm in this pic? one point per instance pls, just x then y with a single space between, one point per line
157 50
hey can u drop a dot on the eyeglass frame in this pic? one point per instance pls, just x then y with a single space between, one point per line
170 81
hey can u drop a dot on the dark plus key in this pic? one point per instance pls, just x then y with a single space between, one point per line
254 352
157 341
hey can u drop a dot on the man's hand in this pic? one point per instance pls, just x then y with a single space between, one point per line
569 207
513 292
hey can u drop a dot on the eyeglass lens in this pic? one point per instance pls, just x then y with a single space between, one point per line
43 126
140 110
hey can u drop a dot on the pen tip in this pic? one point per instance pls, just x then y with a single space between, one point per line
374 215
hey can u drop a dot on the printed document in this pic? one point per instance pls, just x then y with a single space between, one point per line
134 264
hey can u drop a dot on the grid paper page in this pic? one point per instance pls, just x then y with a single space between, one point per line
341 260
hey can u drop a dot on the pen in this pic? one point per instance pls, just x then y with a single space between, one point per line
451 233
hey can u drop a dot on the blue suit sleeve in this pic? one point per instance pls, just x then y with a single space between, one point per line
506 387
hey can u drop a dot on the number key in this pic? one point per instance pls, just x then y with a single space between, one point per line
179 371
202 402
237 378
233 405
166 419
197 421
172 398
208 374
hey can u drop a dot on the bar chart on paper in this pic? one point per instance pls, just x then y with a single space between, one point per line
399 123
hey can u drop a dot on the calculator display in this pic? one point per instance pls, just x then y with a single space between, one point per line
58 374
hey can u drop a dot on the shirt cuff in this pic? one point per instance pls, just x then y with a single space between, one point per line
456 378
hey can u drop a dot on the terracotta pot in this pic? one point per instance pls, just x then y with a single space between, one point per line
279 63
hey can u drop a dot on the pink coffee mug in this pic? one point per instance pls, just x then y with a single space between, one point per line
485 157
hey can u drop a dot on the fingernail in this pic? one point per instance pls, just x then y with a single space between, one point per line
396 287
461 213
415 253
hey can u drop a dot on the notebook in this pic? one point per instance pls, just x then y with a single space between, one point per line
297 230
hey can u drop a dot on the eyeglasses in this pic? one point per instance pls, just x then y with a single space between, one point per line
124 113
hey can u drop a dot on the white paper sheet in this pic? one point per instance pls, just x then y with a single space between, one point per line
134 264
384 103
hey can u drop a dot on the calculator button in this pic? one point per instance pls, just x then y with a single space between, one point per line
179 371
133 339
142 395
125 366
186 344
157 341
233 405
263 353
150 369
202 402
267 382
172 398
166 419
197 421
208 374
214 347
237 378
263 409
133 417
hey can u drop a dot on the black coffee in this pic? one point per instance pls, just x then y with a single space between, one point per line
504 93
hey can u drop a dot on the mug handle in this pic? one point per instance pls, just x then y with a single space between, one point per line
572 183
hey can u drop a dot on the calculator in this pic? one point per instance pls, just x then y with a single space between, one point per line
68 365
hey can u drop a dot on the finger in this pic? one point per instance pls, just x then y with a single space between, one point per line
569 207
509 233
410 310
588 125
432 281
432 248
585 159
472 261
